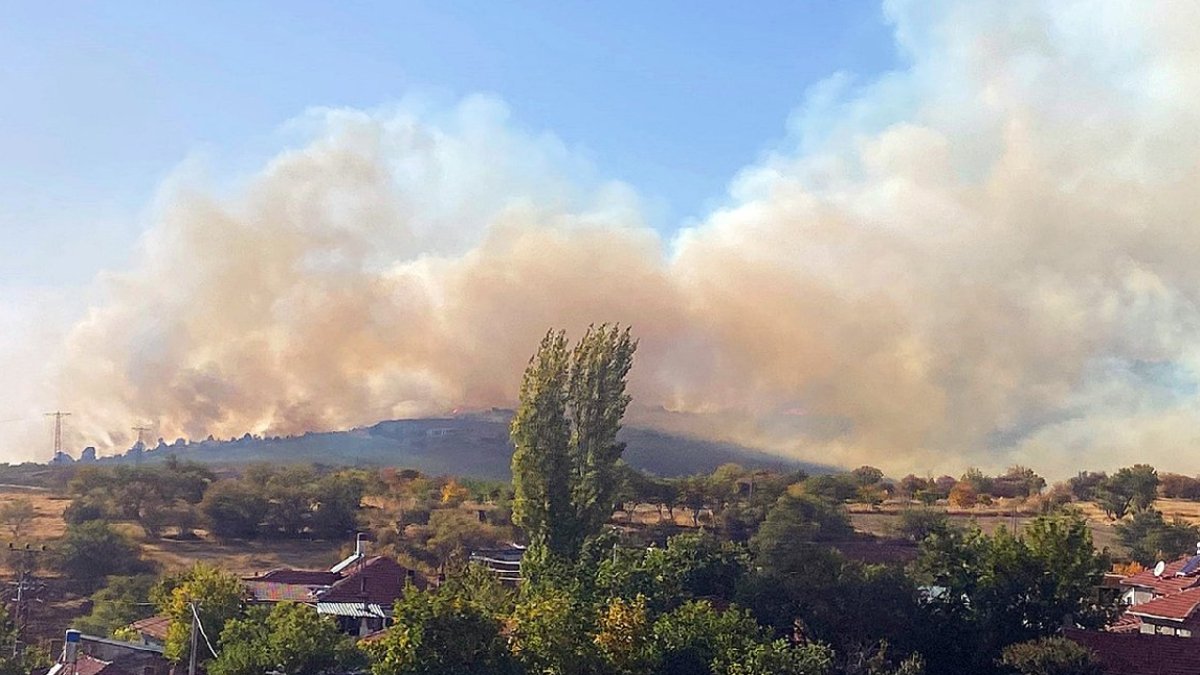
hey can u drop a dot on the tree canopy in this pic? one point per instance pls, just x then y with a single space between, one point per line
565 475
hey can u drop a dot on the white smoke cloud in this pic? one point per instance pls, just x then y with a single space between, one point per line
982 258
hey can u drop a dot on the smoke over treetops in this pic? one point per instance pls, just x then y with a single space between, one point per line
985 258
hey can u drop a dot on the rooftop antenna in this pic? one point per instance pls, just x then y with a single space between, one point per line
58 416
1159 568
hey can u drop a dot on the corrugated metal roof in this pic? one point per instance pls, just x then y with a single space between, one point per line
355 609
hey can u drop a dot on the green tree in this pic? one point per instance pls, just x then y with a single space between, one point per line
1084 485
1149 537
1142 480
866 475
217 597
92 550
780 658
1131 488
121 602
30 660
16 515
442 632
694 493
1050 656
989 599
793 524
565 474
289 494
918 523
624 639
692 565
337 499
695 639
834 487
233 509
290 637
550 633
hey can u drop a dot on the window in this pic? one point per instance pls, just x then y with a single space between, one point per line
1183 632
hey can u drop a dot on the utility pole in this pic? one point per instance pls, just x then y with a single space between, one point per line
26 586
140 431
192 656
140 446
58 416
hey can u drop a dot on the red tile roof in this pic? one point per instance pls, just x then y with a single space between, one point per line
299 577
1168 583
270 591
1137 654
154 627
86 664
377 580
1177 607
1126 623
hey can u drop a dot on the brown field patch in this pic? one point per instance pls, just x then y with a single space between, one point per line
885 524
246 558
49 505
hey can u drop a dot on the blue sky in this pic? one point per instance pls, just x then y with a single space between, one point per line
104 100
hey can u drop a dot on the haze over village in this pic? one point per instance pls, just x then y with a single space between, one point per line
975 254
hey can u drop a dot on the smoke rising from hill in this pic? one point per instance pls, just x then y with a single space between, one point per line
987 257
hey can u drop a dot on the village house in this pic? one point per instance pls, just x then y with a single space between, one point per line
89 655
505 562
1153 636
358 593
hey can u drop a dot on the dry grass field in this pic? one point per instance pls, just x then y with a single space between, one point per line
884 521
48 524
242 557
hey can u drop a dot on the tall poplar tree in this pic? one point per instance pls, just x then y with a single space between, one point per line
565 435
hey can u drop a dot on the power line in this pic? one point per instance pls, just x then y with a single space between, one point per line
200 625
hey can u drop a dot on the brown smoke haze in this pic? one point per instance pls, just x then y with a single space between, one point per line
988 257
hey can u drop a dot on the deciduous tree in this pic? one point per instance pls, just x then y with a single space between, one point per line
565 472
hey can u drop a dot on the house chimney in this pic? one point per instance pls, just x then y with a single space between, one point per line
359 549
71 648
410 577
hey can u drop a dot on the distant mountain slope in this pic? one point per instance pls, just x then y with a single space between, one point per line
473 445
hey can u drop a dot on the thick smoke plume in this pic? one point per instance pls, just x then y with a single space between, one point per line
987 257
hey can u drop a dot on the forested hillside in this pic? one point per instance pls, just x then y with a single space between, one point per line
473 445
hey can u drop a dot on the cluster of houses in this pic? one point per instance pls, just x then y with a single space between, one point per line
1159 631
358 593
